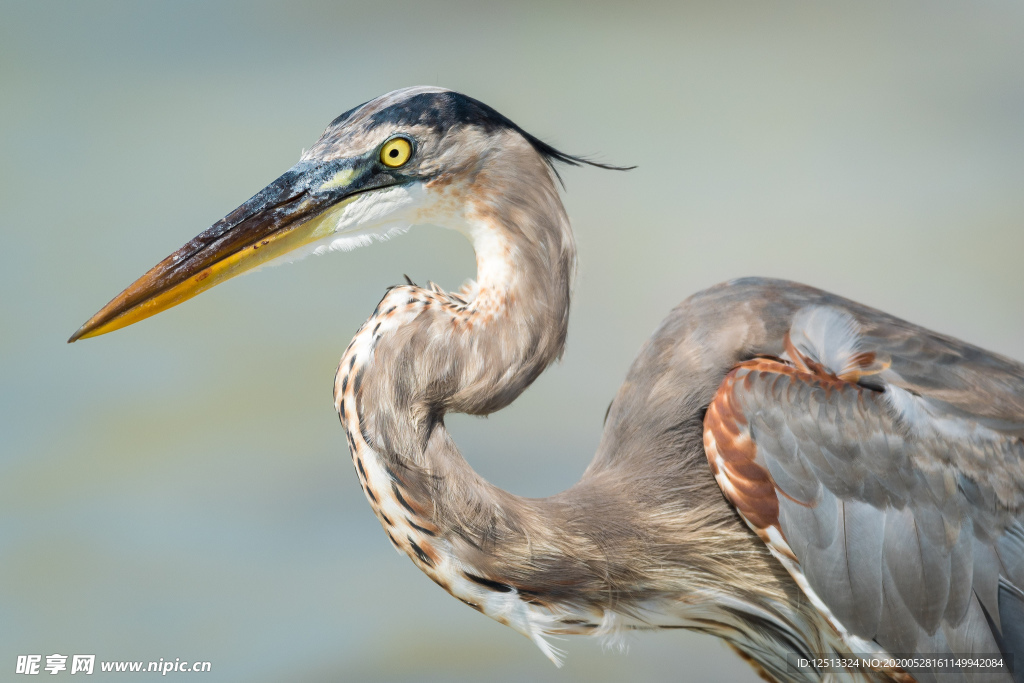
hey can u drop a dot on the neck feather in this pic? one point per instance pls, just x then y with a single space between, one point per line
606 554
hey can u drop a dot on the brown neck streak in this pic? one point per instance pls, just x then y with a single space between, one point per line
425 352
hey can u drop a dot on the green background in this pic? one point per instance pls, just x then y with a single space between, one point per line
182 488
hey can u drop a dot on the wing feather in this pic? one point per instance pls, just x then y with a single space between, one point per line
899 488
864 537
1011 607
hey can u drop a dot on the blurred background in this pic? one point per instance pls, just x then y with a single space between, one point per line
182 488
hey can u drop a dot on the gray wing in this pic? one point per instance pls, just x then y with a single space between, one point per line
883 464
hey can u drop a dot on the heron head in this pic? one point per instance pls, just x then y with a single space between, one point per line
378 169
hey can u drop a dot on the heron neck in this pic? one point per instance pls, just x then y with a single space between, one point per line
424 353
623 541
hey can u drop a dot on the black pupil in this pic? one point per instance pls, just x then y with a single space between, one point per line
393 153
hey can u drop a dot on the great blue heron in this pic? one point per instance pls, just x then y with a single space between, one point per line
872 471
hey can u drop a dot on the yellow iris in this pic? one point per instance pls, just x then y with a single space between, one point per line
395 152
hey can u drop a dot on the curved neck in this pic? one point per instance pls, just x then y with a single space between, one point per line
425 352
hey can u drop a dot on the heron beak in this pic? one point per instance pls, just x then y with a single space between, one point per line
298 208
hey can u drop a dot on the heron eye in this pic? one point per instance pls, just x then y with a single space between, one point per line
395 152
